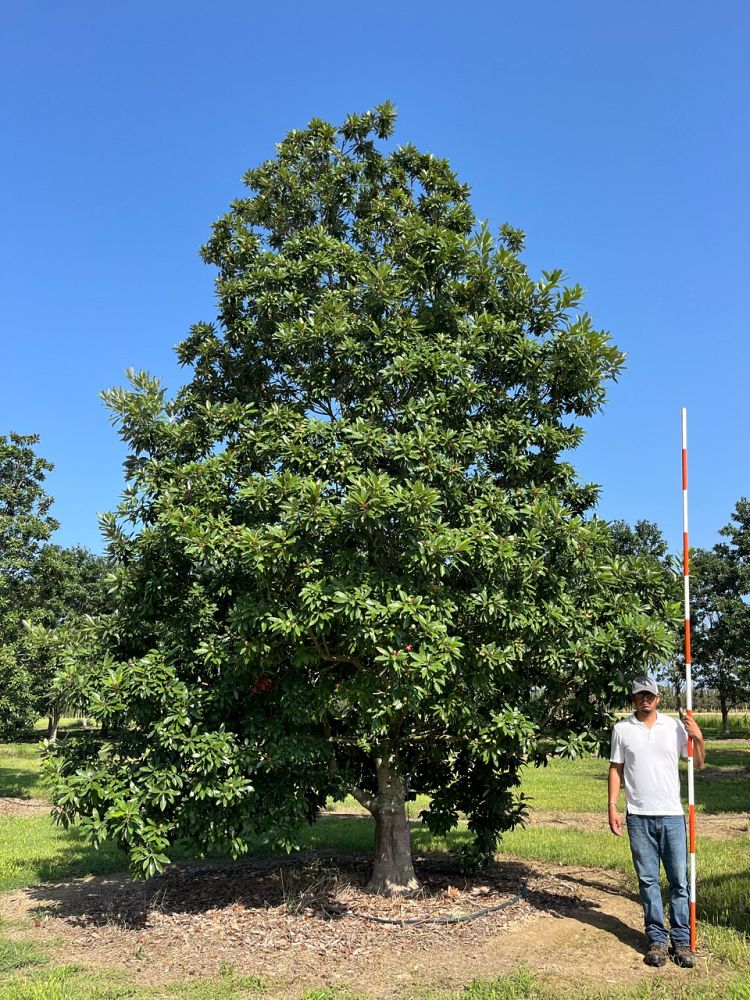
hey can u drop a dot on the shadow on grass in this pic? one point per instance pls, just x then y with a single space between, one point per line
729 756
725 900
18 782
721 795
71 858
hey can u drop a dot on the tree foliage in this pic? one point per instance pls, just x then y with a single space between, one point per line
69 591
352 555
45 590
25 524
720 587
646 541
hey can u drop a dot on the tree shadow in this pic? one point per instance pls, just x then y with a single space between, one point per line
18 782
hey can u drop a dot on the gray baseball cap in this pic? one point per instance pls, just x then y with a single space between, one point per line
644 683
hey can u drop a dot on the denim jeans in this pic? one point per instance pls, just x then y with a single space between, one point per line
655 839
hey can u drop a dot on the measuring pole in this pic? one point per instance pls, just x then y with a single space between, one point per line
688 677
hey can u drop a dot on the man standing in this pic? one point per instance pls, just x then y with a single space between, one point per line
646 748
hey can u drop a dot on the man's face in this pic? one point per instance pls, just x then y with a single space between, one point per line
646 703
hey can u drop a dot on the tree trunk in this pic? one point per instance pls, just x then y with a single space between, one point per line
392 871
724 715
53 721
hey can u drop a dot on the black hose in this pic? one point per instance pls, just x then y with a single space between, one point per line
432 920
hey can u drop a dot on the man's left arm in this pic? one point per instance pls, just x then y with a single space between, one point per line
699 748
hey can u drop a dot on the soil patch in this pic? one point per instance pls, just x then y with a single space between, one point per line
308 923
10 806
724 773
722 826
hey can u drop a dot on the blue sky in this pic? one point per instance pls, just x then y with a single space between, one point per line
616 136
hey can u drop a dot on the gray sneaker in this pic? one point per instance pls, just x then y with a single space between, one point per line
656 955
682 955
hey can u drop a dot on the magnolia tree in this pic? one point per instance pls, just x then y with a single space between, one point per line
351 556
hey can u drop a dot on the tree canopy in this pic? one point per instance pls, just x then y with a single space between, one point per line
352 554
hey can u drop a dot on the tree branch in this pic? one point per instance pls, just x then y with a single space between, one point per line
324 653
368 801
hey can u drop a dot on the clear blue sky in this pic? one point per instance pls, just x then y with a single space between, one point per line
617 136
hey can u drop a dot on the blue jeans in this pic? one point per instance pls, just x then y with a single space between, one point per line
655 839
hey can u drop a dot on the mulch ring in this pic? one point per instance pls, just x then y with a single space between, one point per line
193 918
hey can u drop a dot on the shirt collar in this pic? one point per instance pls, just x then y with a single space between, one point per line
659 719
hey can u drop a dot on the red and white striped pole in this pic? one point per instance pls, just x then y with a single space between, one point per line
688 677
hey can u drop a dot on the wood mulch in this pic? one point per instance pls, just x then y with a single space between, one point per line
312 909
308 922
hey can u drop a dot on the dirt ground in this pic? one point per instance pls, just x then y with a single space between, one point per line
309 923
10 806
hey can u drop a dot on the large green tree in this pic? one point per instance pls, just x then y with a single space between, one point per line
351 554
720 588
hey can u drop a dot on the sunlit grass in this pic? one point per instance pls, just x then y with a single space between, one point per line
34 850
20 770
710 723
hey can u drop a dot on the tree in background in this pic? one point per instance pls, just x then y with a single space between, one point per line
45 591
351 557
25 525
646 541
68 589
720 614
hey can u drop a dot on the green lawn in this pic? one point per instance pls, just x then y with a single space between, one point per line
33 850
20 770
710 723
581 785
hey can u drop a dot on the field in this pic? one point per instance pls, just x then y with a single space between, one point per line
73 926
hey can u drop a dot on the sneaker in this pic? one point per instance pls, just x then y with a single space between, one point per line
656 955
682 955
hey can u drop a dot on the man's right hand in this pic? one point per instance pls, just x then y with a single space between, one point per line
614 821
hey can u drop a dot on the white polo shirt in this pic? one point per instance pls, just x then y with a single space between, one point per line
650 756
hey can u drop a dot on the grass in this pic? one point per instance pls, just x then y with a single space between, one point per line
20 771
70 982
710 723
17 954
33 850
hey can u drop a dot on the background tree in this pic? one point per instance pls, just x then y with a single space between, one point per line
68 588
45 591
720 587
350 552
25 524
646 541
